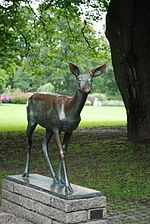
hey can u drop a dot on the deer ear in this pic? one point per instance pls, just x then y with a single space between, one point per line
74 69
98 70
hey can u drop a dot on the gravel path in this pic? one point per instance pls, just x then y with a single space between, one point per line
133 214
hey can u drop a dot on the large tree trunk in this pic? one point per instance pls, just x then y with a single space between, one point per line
128 31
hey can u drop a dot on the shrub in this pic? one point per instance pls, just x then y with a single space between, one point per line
88 103
113 103
19 100
48 87
100 96
17 97
5 98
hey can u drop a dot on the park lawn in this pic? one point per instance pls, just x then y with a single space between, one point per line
103 116
13 117
112 165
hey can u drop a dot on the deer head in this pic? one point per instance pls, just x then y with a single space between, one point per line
85 80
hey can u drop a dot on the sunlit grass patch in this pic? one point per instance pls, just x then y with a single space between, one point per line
13 117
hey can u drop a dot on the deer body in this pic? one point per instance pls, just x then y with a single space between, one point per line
58 113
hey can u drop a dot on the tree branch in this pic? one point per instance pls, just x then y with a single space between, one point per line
49 4
69 25
82 31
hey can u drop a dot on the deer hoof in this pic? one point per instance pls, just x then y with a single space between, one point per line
25 174
68 190
55 181
61 182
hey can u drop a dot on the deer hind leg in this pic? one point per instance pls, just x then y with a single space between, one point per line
45 142
68 188
30 130
66 140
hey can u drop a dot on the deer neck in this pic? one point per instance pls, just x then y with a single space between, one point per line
78 102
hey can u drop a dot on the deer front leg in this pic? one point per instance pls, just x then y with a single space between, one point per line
66 140
45 151
68 188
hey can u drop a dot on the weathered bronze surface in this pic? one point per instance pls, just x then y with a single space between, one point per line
57 113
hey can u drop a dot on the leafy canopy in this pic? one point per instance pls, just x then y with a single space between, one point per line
39 39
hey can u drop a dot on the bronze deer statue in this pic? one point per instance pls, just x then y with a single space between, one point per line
58 113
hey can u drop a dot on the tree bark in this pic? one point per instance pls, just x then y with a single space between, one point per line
128 32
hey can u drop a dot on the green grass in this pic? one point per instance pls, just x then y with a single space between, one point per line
116 167
13 117
103 116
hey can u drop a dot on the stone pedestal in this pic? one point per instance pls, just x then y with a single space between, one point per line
37 200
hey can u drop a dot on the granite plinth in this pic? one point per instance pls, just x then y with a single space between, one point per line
37 201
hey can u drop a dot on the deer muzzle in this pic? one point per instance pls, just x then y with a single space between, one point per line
87 91
86 88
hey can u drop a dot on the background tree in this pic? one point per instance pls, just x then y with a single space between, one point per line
3 80
23 81
128 31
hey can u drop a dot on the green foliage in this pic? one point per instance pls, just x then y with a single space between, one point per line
107 84
2 80
69 43
19 97
11 24
48 87
51 26
100 96
19 100
43 40
15 97
23 81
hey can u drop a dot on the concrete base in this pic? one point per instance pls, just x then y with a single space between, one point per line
38 201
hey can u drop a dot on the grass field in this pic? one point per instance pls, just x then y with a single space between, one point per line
13 117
